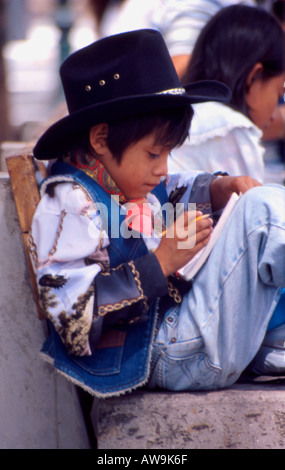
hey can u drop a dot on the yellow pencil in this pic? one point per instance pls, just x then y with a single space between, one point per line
203 216
200 217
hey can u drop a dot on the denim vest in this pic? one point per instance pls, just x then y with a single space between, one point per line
114 368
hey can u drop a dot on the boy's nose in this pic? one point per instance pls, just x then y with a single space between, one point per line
161 168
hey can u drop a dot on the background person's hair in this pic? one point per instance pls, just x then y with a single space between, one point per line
278 9
231 43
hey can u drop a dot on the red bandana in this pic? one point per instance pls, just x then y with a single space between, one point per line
139 214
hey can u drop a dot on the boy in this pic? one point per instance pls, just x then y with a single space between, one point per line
120 316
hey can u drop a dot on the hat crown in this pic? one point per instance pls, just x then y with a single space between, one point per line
119 77
117 67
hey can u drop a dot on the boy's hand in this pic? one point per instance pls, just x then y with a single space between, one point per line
221 189
183 241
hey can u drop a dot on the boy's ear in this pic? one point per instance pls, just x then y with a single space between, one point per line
255 73
98 138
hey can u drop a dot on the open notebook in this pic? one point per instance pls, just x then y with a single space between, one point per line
190 269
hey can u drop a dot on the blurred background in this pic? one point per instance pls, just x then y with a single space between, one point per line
35 37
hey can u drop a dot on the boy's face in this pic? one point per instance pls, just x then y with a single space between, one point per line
141 167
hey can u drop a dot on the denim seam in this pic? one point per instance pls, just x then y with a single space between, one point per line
213 308
266 224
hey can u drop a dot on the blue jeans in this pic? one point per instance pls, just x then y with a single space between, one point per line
207 341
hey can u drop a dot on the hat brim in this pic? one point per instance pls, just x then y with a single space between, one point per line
58 136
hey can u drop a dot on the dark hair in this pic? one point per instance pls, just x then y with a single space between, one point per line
171 127
231 43
278 9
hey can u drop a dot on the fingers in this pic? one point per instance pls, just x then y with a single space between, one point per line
189 224
203 236
203 223
195 221
241 184
196 232
175 250
221 189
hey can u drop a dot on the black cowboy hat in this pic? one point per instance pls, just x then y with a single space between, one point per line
115 78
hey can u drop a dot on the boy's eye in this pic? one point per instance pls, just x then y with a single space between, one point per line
154 155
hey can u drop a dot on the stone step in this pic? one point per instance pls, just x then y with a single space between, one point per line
246 416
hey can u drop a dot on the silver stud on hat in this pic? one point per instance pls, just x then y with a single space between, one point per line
88 88
116 76
102 83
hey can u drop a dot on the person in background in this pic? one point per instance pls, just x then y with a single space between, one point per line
118 16
179 21
276 131
242 47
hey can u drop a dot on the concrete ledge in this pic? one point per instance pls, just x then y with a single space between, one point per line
39 409
242 417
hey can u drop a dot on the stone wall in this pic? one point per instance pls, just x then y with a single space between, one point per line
39 409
